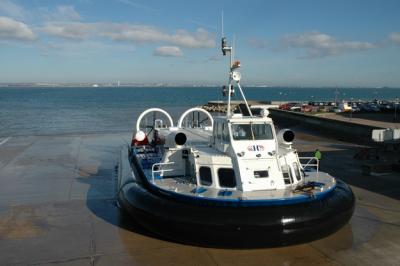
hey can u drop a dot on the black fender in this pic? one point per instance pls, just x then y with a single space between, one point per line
238 226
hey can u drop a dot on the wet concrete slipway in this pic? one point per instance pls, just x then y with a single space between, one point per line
57 207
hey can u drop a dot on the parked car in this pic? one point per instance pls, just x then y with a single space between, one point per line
296 108
306 108
287 106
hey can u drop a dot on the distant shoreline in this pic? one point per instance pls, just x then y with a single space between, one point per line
133 86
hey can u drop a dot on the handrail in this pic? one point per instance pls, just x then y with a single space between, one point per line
160 170
290 179
310 162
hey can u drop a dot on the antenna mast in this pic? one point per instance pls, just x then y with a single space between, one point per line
234 74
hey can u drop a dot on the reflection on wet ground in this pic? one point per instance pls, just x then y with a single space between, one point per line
57 206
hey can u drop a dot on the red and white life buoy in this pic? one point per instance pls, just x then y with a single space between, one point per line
140 138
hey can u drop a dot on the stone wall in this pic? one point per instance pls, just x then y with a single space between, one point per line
341 130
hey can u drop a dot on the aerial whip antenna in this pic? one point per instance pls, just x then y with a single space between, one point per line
233 47
222 23
224 44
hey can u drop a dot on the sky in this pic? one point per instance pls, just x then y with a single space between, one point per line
320 43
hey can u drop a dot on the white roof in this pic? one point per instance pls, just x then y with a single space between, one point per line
244 119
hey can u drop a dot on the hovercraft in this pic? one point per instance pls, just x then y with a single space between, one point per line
231 181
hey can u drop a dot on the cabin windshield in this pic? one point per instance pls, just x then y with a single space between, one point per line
260 131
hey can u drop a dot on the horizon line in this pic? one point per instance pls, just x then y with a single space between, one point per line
169 85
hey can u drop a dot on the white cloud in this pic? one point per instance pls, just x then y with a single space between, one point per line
168 51
142 33
318 44
60 13
71 30
11 9
395 37
11 29
130 32
200 39
75 48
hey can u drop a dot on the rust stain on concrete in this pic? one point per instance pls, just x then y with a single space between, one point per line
20 223
88 170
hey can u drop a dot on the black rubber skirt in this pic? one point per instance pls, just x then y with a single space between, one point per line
238 226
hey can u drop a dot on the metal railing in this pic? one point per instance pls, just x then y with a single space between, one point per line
311 162
160 169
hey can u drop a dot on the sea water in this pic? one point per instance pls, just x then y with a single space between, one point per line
47 111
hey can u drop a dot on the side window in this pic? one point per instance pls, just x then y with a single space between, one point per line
287 174
214 133
225 133
205 176
297 172
226 177
219 131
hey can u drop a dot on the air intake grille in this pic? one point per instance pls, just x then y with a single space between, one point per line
261 174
